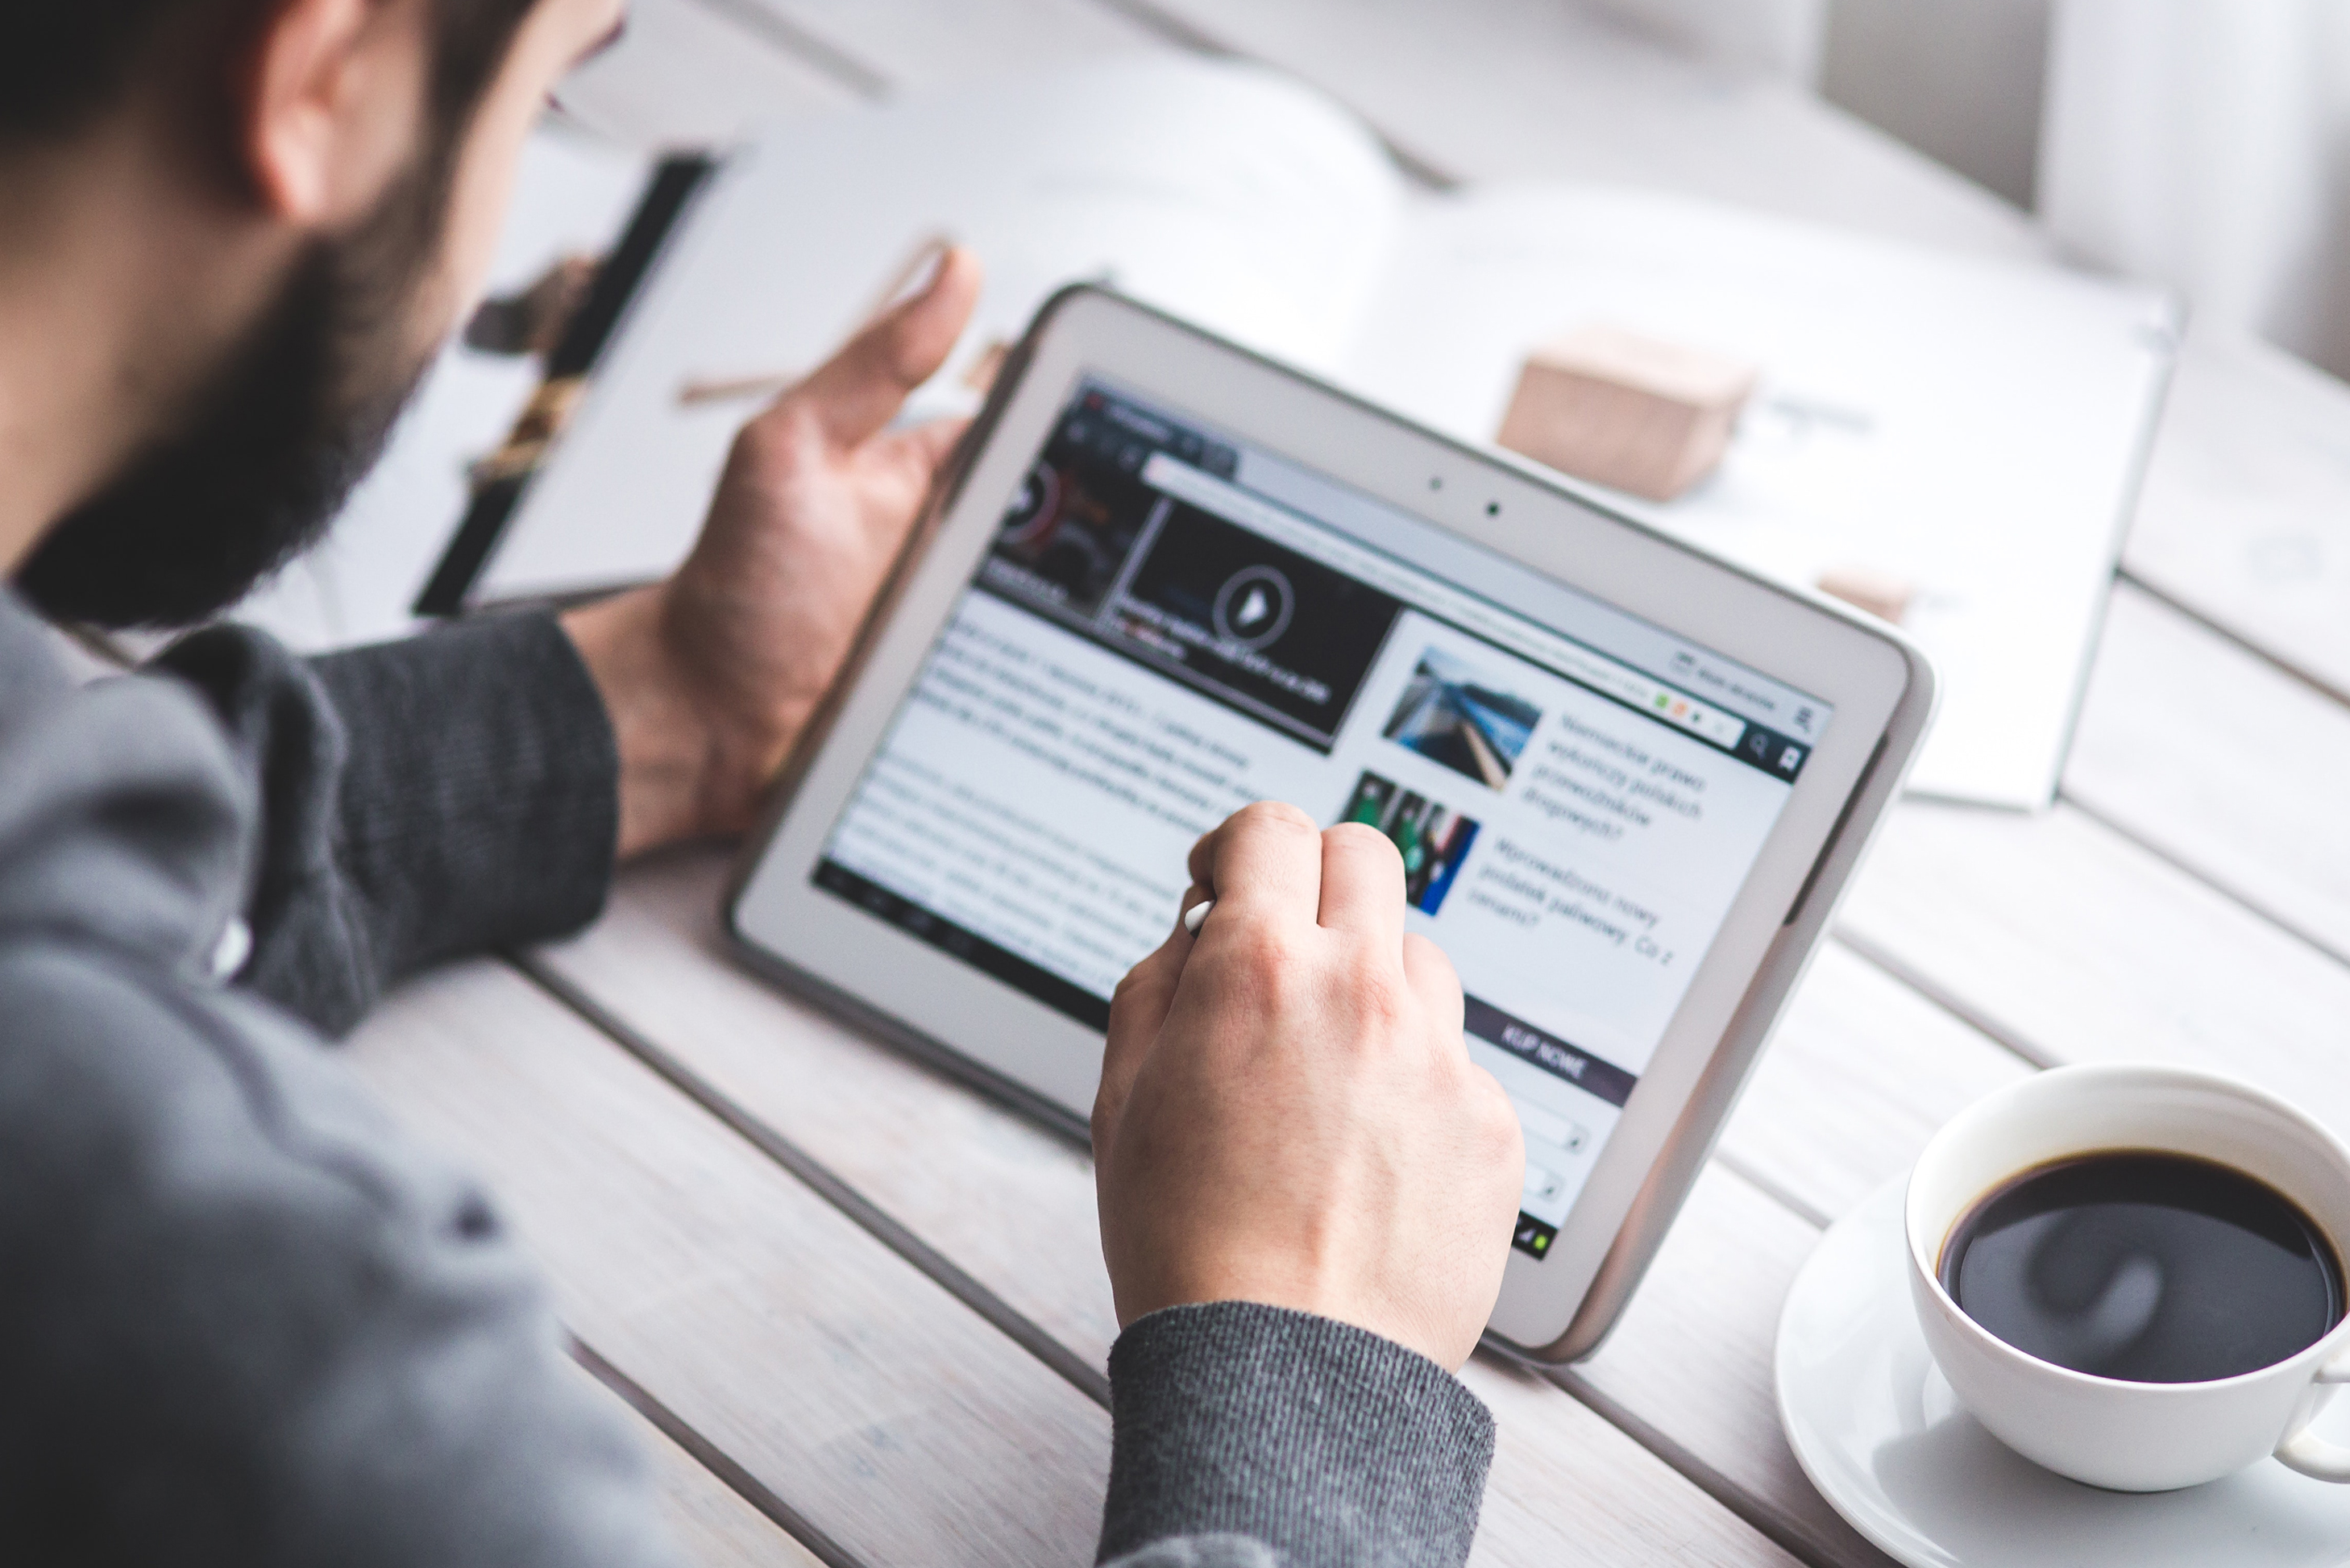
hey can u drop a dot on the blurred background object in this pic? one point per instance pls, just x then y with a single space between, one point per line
1781 38
2186 143
532 321
2203 144
1959 81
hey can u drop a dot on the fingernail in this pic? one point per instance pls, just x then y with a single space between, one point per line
939 269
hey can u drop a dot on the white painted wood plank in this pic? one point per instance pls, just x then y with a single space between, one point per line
1567 1487
1867 1070
1692 1353
1870 1071
713 1526
1861 1073
2070 942
969 1178
2245 518
1487 89
2220 761
1013 1206
875 1403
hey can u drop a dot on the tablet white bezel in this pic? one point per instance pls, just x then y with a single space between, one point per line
1879 688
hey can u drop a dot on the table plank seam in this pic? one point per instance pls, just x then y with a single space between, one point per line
1784 1530
1771 1186
786 37
1941 996
1787 1533
2204 879
1091 1381
2236 639
1191 38
712 1458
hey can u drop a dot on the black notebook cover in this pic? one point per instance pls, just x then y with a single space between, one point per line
675 182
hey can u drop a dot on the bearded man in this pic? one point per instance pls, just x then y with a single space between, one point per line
242 1320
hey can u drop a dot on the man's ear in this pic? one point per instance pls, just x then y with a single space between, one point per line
329 105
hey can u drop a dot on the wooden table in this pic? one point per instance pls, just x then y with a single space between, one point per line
864 1308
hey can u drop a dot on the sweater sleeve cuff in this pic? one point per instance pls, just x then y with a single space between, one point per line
480 805
1329 1444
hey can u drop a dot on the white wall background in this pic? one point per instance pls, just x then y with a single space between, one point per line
1781 37
1958 79
2207 143
2204 144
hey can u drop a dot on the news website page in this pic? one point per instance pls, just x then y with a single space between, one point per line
1173 624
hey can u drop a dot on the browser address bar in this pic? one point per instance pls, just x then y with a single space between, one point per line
1172 477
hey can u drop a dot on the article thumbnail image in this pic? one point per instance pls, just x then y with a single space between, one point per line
1447 715
1434 839
1068 531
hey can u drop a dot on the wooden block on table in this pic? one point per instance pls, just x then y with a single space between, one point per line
1626 411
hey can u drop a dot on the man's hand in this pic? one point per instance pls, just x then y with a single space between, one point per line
1288 1114
711 676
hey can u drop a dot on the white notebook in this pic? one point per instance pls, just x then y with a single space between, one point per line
1973 428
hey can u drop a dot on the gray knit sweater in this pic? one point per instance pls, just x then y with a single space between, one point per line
243 1320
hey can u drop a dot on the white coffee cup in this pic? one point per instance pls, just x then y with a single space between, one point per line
2130 1437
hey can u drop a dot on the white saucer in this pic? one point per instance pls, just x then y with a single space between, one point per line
1880 1434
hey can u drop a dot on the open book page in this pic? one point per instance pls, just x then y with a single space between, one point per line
1972 429
1218 193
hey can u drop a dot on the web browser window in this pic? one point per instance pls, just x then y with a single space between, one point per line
1173 623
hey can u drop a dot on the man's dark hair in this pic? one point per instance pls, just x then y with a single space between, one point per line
280 431
63 63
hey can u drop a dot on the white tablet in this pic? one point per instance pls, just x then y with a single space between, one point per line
1168 578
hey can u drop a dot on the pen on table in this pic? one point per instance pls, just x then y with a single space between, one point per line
1196 915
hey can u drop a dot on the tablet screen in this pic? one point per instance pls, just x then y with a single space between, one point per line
1173 622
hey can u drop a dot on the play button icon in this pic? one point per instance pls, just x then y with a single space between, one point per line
1253 606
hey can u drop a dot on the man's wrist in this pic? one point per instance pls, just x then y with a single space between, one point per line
668 749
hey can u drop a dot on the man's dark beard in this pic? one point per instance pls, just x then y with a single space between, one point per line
272 443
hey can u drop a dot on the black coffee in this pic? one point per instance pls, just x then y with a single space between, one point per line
2151 1268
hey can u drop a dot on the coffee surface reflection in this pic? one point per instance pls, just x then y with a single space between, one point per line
2146 1267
